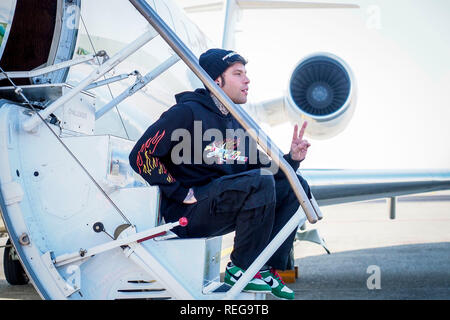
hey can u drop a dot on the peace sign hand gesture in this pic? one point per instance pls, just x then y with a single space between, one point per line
299 147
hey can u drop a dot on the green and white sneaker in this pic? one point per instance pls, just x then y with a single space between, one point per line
279 289
256 285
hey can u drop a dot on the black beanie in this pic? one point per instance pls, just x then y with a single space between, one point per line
216 61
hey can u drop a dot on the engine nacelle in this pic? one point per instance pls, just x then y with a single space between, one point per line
322 91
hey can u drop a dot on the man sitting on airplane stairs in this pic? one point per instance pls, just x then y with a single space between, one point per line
222 185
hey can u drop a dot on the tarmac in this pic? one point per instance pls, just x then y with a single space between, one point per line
372 257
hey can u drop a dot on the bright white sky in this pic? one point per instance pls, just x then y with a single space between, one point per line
399 52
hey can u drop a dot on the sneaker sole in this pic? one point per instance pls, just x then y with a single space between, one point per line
257 291
282 298
251 291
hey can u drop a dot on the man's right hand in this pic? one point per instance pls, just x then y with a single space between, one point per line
190 198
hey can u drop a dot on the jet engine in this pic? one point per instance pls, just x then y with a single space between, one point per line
321 91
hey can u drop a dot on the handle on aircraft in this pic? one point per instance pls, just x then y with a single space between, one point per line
239 114
136 237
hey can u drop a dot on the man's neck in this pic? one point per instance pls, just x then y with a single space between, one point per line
219 105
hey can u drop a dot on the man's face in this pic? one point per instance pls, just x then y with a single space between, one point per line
236 83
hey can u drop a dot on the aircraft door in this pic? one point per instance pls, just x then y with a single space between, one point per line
38 33
7 8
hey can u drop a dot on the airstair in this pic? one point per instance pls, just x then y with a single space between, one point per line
98 234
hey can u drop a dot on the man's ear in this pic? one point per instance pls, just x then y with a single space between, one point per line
219 82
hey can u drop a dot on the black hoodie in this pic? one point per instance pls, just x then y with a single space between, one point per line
201 150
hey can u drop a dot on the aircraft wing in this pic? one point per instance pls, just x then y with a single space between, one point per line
334 186
206 6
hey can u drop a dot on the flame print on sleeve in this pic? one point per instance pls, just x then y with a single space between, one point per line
148 164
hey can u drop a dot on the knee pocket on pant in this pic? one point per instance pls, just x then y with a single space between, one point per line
252 191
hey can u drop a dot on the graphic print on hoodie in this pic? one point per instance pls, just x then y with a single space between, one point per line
224 150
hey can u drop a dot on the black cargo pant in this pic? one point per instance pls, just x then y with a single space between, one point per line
253 204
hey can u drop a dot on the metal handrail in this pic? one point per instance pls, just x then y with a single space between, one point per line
48 69
138 85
